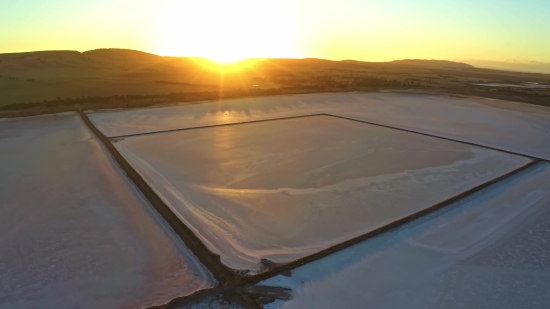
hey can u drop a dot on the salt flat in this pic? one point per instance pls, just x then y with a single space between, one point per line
281 190
511 126
74 233
488 250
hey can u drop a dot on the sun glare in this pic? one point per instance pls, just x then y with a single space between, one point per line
226 31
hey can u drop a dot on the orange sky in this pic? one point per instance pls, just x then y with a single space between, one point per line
371 30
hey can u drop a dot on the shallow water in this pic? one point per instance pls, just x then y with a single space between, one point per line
74 233
285 189
488 250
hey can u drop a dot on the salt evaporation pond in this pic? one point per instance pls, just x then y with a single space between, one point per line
281 190
511 126
489 250
74 233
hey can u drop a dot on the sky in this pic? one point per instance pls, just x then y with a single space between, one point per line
223 30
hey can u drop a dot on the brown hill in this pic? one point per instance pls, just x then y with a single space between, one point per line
434 63
54 75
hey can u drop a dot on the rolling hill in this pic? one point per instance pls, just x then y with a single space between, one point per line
60 75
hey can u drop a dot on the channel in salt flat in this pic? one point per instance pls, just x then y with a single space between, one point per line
285 189
74 232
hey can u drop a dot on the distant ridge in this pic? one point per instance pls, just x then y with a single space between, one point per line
96 59
109 74
513 65
434 63
133 57
126 55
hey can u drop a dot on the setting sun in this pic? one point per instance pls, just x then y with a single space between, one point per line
226 32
